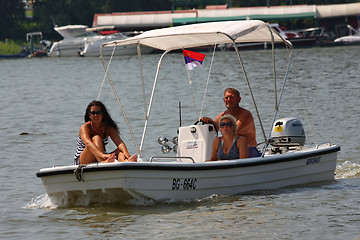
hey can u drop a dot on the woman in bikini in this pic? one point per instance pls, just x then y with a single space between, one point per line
93 137
229 146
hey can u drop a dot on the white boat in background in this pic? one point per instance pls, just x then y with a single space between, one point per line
307 37
75 36
301 37
352 38
92 49
79 40
285 161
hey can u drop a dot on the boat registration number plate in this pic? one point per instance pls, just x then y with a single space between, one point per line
185 184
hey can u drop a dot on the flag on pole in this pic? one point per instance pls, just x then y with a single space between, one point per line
193 59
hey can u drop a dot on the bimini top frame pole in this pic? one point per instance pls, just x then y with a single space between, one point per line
151 101
250 90
115 93
277 103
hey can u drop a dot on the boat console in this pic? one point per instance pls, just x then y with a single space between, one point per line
196 141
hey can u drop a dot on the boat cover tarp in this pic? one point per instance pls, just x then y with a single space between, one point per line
204 34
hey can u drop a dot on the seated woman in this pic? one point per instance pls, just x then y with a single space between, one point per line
93 137
229 146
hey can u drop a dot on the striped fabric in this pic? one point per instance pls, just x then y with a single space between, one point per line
80 146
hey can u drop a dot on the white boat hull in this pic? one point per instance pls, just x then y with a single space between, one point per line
348 40
93 50
66 49
78 42
159 181
189 176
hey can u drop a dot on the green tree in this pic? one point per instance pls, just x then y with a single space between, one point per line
12 14
54 12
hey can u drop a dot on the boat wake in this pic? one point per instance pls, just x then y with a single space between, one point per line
42 201
347 170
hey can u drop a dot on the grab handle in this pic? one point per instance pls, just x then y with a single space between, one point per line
172 158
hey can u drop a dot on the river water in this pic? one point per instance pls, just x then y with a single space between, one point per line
43 105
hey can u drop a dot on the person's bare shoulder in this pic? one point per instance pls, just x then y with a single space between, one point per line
244 113
220 115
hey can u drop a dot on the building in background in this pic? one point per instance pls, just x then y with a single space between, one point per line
333 18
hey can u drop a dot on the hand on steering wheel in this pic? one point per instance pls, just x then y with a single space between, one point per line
202 123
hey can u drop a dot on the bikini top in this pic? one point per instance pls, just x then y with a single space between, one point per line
93 130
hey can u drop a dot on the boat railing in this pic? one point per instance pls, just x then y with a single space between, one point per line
311 32
324 143
174 158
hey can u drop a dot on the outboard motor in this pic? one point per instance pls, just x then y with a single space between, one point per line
195 141
287 133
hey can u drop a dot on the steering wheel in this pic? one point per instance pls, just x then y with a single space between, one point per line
202 123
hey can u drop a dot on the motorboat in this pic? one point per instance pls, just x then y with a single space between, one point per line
352 38
79 40
301 37
23 53
285 160
36 50
74 38
307 37
92 49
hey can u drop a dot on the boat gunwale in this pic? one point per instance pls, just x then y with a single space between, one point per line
241 163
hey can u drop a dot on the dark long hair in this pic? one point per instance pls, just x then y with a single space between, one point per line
106 116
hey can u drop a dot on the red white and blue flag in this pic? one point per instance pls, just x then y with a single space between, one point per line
193 59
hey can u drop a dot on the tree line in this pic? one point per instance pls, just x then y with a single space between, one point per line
45 14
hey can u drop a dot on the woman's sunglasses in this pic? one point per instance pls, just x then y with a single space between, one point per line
228 124
96 112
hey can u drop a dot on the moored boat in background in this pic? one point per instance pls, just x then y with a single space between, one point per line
74 38
79 40
92 49
352 38
307 37
36 46
24 53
